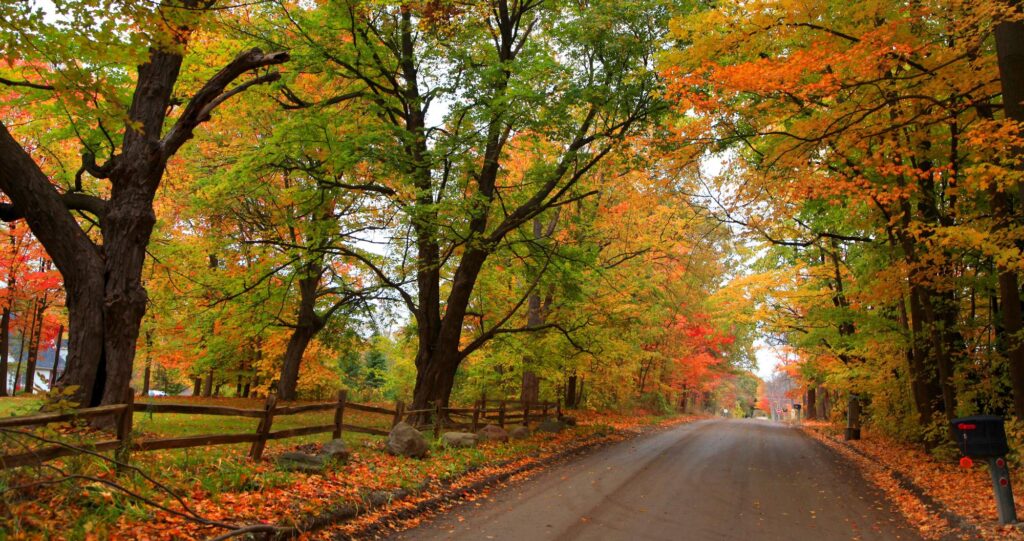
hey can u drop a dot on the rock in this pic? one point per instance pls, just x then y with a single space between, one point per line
493 433
335 450
377 498
300 462
568 420
405 440
519 433
462 440
553 426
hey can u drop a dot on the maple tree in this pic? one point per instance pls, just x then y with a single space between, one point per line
102 276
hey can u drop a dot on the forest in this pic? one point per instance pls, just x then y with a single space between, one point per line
297 198
611 205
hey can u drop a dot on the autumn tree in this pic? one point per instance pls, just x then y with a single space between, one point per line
579 75
130 126
869 143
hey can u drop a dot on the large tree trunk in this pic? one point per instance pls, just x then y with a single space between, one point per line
438 361
810 408
1010 54
308 325
1009 292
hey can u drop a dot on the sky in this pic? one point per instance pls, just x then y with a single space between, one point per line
768 358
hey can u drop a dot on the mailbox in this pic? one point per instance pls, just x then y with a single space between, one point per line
981 436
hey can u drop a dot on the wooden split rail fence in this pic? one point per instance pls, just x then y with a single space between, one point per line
484 411
503 412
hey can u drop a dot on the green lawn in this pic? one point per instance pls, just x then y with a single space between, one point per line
19 405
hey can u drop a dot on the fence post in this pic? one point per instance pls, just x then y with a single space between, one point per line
558 408
526 413
399 413
124 430
544 409
476 416
256 453
501 414
437 419
339 413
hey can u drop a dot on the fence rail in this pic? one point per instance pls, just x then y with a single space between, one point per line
506 412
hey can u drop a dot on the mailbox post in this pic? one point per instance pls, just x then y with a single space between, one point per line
984 437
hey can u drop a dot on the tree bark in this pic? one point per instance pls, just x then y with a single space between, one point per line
570 391
536 316
810 408
21 359
33 347
149 363
530 388
853 417
308 325
208 384
5 346
103 282
1010 55
56 355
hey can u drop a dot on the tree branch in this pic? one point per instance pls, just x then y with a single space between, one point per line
213 93
9 82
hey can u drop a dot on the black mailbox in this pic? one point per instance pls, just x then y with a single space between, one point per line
981 436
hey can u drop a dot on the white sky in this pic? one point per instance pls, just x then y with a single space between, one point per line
768 358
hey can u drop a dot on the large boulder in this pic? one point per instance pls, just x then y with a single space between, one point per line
335 451
461 440
553 426
519 433
568 420
300 462
405 440
493 433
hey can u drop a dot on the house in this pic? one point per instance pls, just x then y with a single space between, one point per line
44 369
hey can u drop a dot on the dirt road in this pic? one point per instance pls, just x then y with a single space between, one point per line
739 480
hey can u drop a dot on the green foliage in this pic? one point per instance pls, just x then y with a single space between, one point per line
168 380
376 366
60 399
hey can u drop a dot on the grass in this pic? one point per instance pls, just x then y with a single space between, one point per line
19 405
